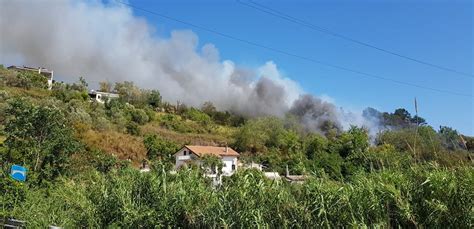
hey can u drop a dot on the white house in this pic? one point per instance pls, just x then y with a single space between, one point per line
193 154
101 97
43 71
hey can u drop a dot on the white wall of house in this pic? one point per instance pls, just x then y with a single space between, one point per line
101 97
50 84
49 75
182 156
98 98
230 164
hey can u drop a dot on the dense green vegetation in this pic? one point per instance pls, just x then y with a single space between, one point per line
82 158
419 196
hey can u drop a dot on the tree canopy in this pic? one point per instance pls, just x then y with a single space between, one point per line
39 138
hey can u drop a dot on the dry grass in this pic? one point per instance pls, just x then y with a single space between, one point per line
21 92
123 146
185 138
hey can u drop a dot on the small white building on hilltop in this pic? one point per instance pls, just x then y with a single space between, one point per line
49 74
102 97
193 154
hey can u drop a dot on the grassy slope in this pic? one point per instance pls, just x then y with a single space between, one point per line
126 146
220 136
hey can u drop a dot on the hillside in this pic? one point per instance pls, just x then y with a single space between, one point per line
119 129
82 158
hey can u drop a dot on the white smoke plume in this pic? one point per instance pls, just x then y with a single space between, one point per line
106 41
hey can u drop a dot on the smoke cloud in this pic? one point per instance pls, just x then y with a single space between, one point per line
315 113
107 42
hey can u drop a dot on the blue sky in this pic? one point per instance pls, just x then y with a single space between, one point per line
439 32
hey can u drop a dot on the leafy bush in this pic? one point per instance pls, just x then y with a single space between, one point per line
260 134
330 163
159 148
316 145
422 143
133 128
198 116
39 138
174 122
380 158
222 117
66 93
450 138
13 192
212 164
139 116
103 162
24 79
354 141
154 99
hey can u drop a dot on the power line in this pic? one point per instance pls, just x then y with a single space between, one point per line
279 14
292 54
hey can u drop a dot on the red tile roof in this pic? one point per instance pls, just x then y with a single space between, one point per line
218 151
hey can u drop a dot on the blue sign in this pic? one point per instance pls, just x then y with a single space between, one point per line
18 173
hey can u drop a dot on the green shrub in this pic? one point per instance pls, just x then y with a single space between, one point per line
380 158
330 163
24 79
260 134
66 93
174 122
423 144
13 192
198 116
133 128
154 99
39 138
354 141
139 116
159 148
103 162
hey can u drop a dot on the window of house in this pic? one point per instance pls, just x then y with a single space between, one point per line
233 167
185 152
